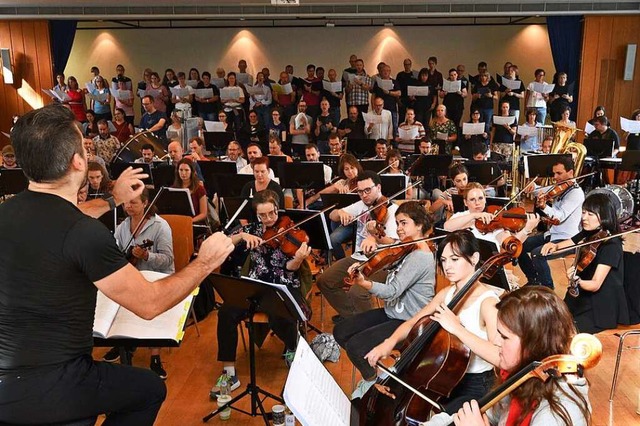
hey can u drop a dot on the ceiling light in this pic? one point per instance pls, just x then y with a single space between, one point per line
388 23
330 24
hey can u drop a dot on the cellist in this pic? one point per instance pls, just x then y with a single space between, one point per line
475 324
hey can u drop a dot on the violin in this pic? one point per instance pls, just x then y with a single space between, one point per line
432 361
554 192
379 214
513 220
584 257
131 258
286 235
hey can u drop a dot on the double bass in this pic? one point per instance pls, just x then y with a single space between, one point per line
432 361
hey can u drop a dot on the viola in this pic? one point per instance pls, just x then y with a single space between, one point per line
431 361
555 191
584 257
286 235
379 214
513 220
131 258
381 259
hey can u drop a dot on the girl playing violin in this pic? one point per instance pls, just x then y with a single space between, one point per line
533 324
409 286
267 264
475 323
348 168
394 161
601 303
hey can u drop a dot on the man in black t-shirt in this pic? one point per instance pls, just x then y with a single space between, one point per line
603 141
153 120
353 125
55 258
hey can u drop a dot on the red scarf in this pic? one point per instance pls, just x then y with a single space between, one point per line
515 408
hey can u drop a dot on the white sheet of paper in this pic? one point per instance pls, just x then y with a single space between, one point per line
218 82
588 128
230 93
499 120
418 90
204 93
192 83
114 86
511 84
631 126
99 97
528 131
142 93
334 87
213 126
255 90
472 128
408 134
90 86
282 89
124 95
244 78
451 86
371 118
442 136
385 84
543 87
179 92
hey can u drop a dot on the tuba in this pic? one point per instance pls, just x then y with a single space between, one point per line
562 144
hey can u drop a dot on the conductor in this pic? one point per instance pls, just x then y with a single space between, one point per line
54 259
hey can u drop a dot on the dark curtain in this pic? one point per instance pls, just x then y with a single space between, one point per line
62 35
565 38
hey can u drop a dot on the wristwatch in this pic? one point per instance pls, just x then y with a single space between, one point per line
111 201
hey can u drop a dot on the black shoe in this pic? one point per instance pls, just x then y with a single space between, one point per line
112 356
156 367
337 318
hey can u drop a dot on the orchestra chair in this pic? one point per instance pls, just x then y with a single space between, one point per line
182 238
621 333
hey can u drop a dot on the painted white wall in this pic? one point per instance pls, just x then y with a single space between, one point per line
206 49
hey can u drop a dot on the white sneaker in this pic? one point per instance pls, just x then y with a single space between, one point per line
361 388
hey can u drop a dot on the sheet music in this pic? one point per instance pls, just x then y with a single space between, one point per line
442 136
384 84
417 90
472 128
192 83
408 134
527 131
282 89
218 82
588 128
543 87
371 118
124 95
90 87
631 126
244 78
451 86
499 120
255 90
99 97
312 393
511 84
213 126
335 86
204 93
180 92
57 94
300 121
230 93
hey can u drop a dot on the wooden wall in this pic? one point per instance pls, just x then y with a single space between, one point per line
30 46
604 47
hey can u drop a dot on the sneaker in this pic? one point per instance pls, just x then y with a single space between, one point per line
156 367
234 383
112 356
361 388
288 357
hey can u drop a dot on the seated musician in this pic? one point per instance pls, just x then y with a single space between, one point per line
176 154
480 152
533 324
262 181
196 144
148 156
441 200
253 151
234 154
335 145
607 138
99 182
600 303
330 283
476 202
312 154
475 323
382 146
186 177
567 209
158 257
275 148
267 264
394 161
547 143
409 286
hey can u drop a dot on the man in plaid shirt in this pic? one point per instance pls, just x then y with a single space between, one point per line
358 88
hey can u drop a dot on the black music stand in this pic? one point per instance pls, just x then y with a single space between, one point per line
275 163
118 168
374 165
12 181
331 161
362 148
210 169
227 186
342 200
235 209
217 142
429 167
599 148
254 296
541 165
392 184
110 219
303 175
175 201
163 175
482 171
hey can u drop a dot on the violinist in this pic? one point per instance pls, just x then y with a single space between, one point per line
409 286
442 200
394 161
268 264
158 257
474 324
533 324
601 303
330 283
565 208
312 155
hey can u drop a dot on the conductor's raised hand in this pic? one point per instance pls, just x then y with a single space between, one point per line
129 185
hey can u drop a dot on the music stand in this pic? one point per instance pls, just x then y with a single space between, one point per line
254 296
342 200
210 169
275 163
331 161
541 165
175 201
482 171
392 184
234 209
163 175
598 148
362 148
118 168
429 167
217 142
304 175
109 219
12 181
374 165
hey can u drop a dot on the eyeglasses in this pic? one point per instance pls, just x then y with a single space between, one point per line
9 156
269 215
365 191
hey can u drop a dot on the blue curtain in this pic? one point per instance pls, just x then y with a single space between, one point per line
565 38
62 35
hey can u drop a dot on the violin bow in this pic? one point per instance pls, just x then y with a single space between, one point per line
576 246
146 212
406 243
388 200
284 231
570 179
408 386
515 197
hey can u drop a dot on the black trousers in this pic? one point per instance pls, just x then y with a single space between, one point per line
80 389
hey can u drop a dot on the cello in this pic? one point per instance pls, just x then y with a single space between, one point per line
432 361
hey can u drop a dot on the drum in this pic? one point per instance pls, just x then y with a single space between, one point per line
131 150
622 200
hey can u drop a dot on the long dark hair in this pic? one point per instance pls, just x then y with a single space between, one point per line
418 214
602 205
463 243
195 181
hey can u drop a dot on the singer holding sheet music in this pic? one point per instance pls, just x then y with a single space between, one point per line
270 264
55 259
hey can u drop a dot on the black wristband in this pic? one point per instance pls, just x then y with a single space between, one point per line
111 201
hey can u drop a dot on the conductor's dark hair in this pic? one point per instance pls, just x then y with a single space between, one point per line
45 141
369 174
463 243
603 206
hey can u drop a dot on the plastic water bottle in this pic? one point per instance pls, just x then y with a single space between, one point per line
289 418
224 386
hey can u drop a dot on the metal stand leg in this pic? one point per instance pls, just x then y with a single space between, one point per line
622 336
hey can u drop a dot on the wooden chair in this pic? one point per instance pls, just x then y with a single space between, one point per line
182 237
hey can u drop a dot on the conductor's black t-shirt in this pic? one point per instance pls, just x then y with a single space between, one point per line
51 255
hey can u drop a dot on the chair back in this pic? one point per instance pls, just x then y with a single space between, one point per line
182 235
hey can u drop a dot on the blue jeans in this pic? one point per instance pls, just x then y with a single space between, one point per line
394 121
536 267
487 115
339 235
472 386
209 116
542 114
